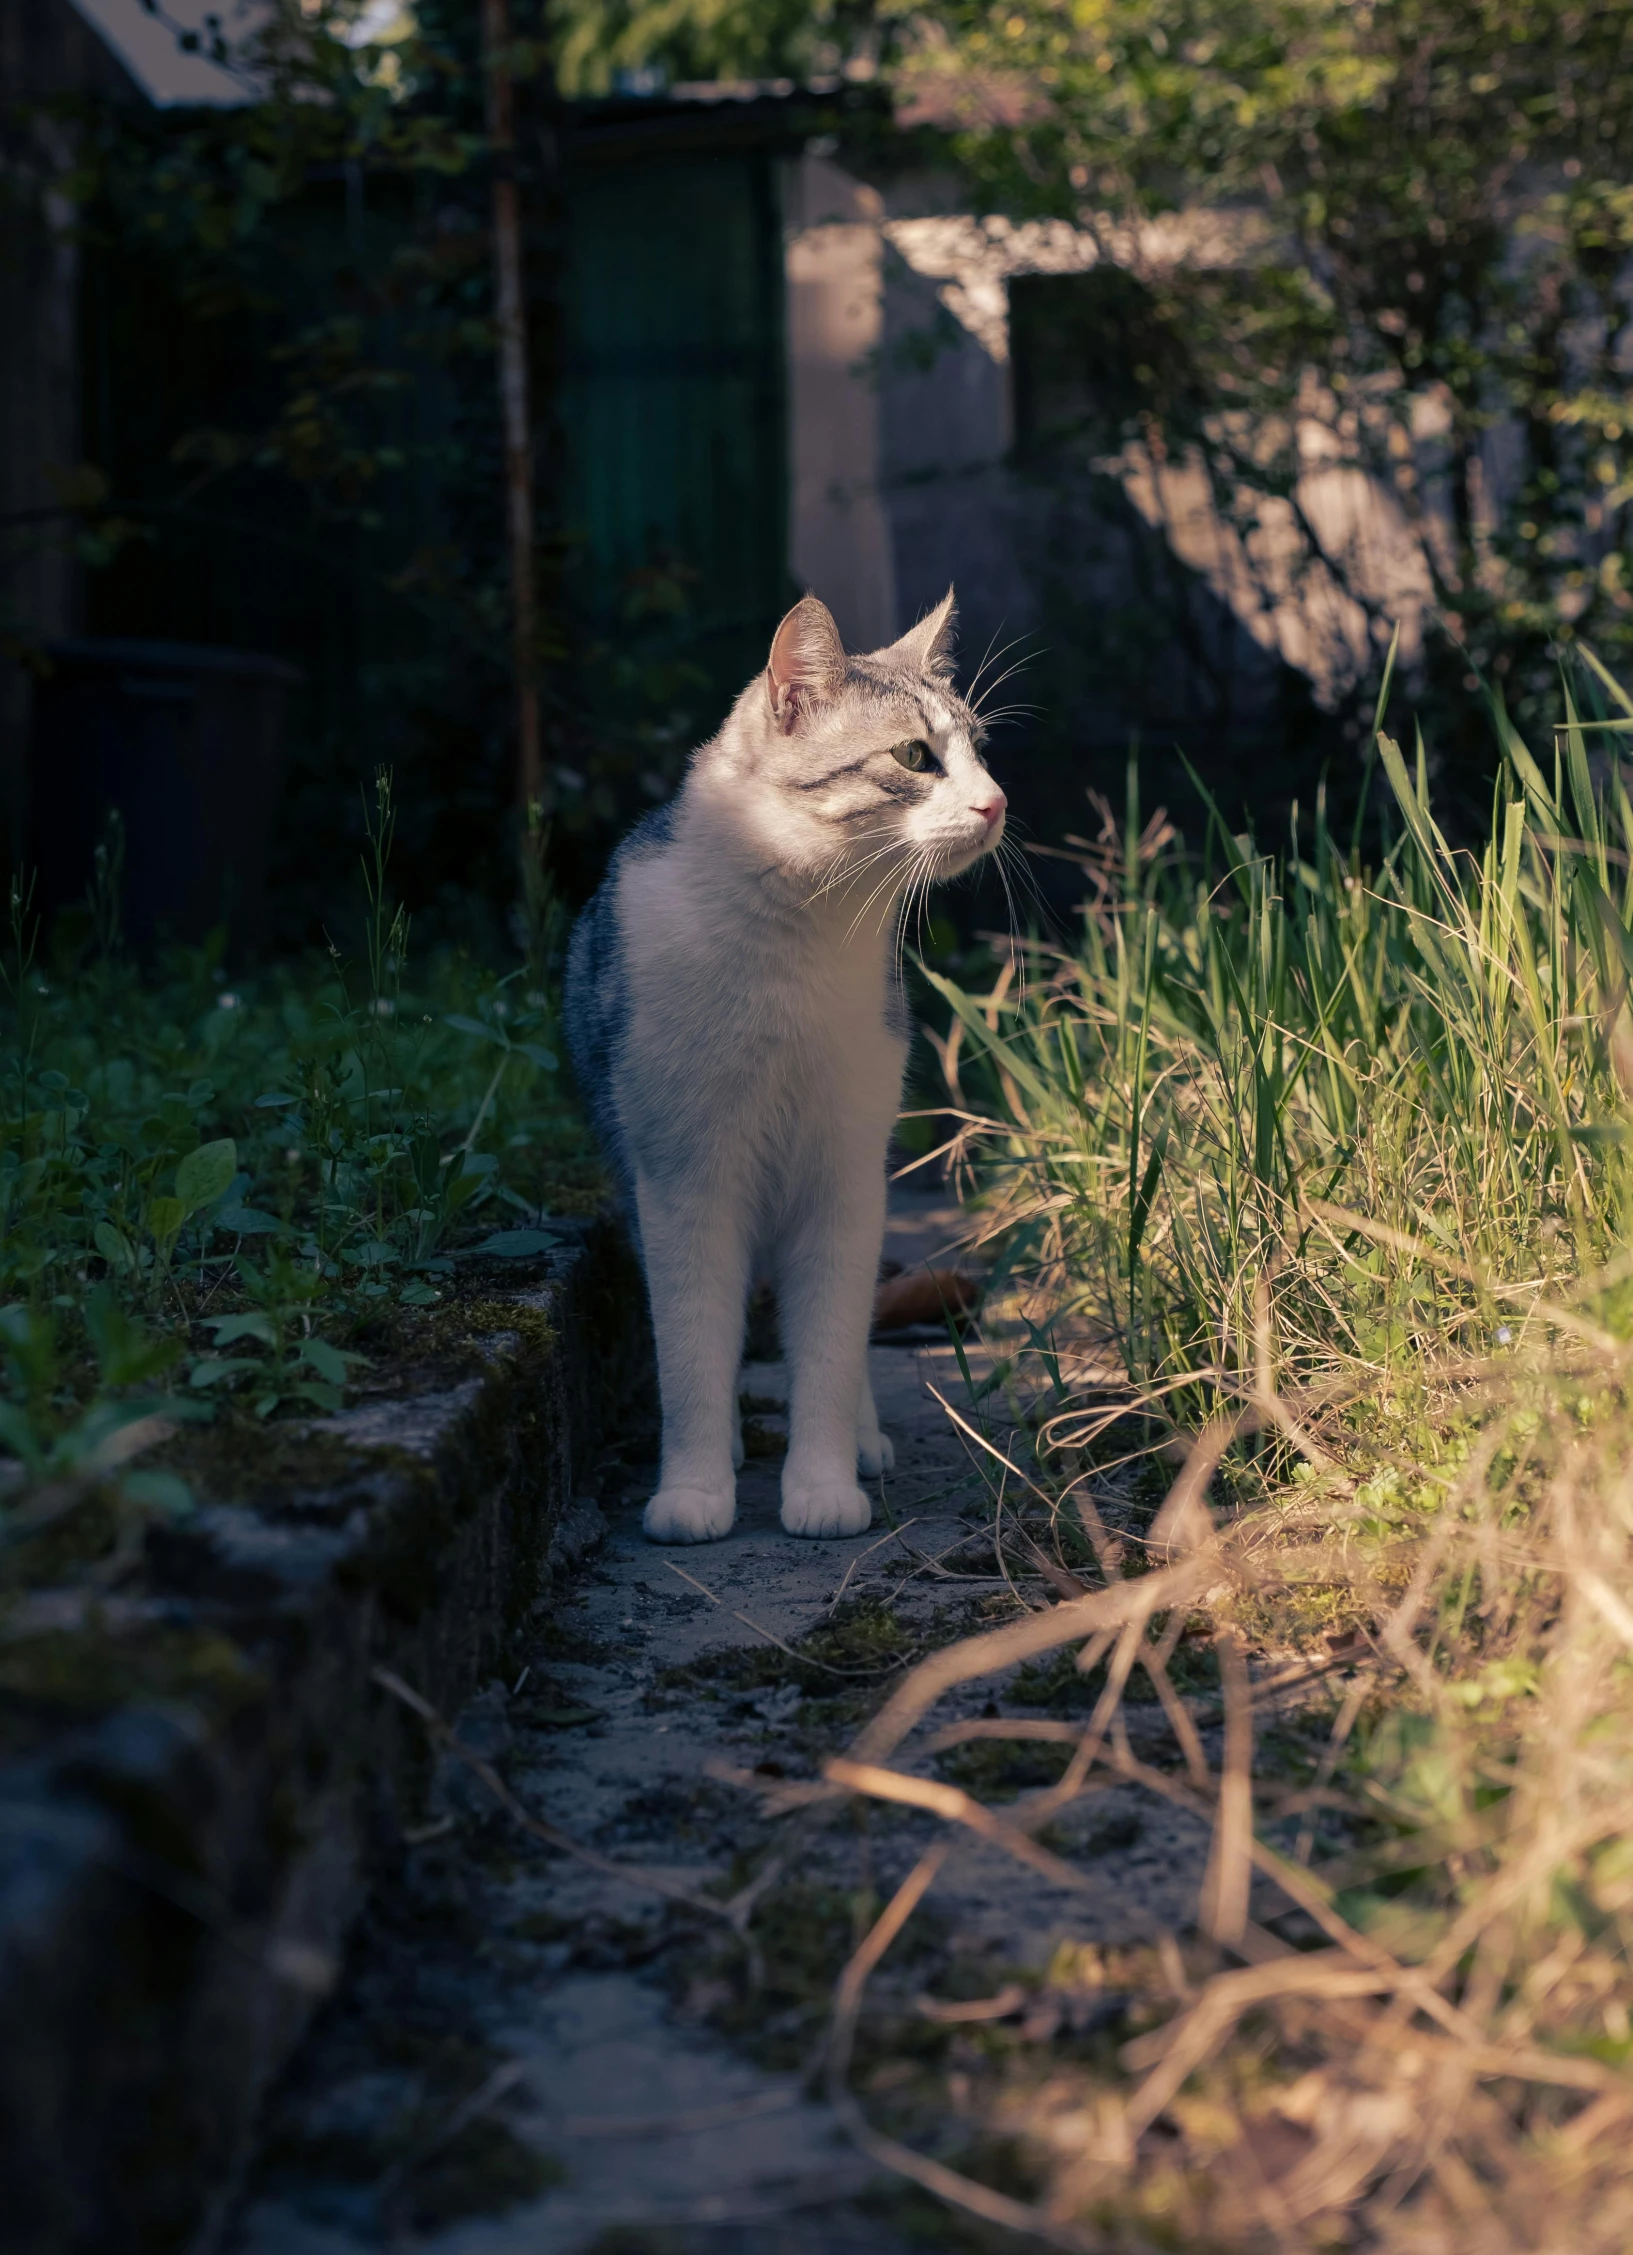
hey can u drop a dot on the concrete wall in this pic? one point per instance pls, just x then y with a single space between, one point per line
838 534
1150 611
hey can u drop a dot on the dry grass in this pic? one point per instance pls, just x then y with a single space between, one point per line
1312 1179
1438 2057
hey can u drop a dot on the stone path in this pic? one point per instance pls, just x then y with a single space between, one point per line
529 2058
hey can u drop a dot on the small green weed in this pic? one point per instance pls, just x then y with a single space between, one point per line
774 2002
997 1769
863 1640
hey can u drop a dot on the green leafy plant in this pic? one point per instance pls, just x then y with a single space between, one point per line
299 1365
258 1172
66 1453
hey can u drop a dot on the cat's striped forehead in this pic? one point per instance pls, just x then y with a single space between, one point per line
879 705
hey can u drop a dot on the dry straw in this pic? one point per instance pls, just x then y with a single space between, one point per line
1315 1176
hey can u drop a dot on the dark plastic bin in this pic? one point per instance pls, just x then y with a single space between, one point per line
188 743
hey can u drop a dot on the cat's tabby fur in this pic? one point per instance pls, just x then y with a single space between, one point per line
735 1018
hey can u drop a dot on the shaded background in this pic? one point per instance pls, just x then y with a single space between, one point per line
247 401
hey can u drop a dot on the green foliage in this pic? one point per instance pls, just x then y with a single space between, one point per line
695 39
291 306
205 197
214 1187
66 1448
1412 222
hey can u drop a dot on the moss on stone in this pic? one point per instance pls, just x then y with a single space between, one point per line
243 1459
402 1558
1059 1685
465 1327
87 1670
865 1640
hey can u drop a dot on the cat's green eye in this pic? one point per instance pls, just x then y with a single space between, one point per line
916 755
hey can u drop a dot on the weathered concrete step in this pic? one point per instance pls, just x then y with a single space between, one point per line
194 1776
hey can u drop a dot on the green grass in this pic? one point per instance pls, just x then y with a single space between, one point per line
217 1189
1327 1160
1345 1114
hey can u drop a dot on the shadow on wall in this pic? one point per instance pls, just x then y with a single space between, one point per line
1136 652
961 389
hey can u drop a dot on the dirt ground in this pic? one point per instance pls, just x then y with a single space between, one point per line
528 2057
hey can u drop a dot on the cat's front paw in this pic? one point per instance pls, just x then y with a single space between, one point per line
874 1453
689 1515
824 1507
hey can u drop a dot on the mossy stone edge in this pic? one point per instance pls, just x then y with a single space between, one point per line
187 1834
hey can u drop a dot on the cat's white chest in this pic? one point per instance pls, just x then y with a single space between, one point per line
748 1028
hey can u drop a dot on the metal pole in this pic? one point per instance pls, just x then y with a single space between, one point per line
514 394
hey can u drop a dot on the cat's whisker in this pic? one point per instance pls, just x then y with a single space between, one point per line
899 850
986 660
930 879
1013 858
1017 951
997 682
895 896
919 916
1019 666
984 710
923 877
917 891
887 884
850 868
992 657
1007 712
848 875
844 862
896 939
1020 870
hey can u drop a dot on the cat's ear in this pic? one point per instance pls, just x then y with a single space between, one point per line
927 647
807 662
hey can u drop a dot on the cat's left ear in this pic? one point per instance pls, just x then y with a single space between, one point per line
807 663
927 647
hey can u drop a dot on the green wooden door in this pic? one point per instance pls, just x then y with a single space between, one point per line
672 410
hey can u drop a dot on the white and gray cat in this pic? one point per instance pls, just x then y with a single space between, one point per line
734 1014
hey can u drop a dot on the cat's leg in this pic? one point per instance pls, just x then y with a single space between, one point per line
828 1261
874 1453
696 1258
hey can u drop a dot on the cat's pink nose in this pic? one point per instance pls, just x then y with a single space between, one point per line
990 809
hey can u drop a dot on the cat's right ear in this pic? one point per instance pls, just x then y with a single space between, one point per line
807 663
